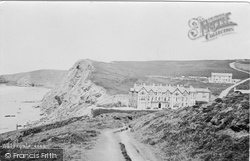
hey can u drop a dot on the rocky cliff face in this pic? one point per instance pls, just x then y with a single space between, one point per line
76 93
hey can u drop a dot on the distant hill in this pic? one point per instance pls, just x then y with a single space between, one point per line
45 78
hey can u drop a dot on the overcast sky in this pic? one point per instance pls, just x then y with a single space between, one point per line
54 35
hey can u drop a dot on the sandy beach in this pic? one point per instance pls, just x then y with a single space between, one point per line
17 105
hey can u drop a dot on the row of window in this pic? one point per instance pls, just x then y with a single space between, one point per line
162 105
162 98
154 98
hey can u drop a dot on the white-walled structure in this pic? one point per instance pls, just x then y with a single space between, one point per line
221 78
159 96
242 90
203 94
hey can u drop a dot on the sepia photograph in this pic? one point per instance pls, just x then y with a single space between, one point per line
124 80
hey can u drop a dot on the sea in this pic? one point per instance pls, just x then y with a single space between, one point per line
19 105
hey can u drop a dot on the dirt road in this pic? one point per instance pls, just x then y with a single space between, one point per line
107 147
226 91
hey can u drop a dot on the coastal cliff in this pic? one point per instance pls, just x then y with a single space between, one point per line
76 93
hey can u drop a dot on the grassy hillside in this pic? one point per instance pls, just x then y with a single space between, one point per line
46 78
243 66
244 86
219 131
182 68
118 77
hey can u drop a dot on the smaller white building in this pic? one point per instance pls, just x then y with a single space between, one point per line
242 90
221 78
203 94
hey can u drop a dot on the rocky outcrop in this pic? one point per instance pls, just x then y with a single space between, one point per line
76 93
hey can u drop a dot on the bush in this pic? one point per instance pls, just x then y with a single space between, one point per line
58 100
218 100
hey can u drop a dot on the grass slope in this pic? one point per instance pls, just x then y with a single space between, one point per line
243 66
118 77
219 131
244 86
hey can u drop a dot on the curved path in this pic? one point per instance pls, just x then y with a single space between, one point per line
232 65
226 91
107 147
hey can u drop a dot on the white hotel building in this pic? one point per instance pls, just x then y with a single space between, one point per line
153 96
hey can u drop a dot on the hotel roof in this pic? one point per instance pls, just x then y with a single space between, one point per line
171 89
224 74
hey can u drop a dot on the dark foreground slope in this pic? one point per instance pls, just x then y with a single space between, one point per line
76 135
216 132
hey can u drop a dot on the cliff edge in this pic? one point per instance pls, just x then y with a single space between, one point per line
76 93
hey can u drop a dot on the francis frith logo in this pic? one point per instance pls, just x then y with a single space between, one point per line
211 28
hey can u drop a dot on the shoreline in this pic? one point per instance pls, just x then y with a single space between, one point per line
18 106
18 85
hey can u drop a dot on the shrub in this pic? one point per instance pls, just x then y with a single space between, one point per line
58 100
